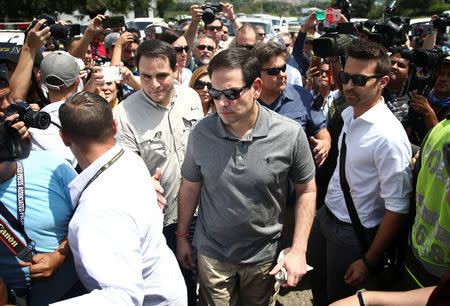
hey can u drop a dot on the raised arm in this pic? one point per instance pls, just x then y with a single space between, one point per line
94 27
21 79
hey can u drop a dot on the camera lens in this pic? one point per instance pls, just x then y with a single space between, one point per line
208 15
39 120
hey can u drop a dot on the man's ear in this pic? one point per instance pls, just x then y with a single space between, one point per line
67 142
384 81
257 88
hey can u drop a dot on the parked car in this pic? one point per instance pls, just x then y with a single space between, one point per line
265 23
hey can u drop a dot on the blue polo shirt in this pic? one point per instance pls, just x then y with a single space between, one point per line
296 102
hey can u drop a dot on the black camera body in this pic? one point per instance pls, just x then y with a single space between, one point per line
441 22
336 39
209 12
31 118
58 31
429 62
391 32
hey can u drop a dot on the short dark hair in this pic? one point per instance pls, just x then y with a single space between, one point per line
217 18
87 116
170 36
264 51
369 50
156 48
237 58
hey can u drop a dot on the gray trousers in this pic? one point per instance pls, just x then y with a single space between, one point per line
332 248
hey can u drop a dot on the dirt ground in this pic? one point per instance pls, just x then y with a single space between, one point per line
298 296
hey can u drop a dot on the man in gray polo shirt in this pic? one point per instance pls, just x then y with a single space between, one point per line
155 122
238 162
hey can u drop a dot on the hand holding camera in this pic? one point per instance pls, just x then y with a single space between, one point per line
37 37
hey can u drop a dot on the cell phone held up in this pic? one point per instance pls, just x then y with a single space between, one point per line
112 74
113 22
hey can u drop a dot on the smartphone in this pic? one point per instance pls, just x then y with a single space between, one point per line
315 62
320 15
113 22
333 16
112 74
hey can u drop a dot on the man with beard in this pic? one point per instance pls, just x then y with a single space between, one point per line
426 113
394 93
377 176
155 123
203 50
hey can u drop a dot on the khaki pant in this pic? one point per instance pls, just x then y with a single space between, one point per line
223 283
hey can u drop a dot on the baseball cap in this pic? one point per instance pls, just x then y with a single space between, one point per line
278 40
59 68
110 40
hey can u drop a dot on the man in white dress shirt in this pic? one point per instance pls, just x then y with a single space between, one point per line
115 235
378 171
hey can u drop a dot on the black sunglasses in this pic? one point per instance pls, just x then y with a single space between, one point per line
275 70
225 32
447 156
357 79
203 47
212 28
180 49
231 94
199 85
262 34
248 47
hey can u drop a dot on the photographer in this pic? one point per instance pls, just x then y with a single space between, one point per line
91 37
425 112
47 274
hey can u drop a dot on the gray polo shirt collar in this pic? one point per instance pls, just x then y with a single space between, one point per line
261 128
157 105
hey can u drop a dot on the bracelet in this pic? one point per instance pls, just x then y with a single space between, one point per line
182 235
360 299
370 266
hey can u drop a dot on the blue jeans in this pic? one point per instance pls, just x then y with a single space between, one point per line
190 276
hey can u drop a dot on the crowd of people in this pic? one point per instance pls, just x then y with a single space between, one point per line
177 167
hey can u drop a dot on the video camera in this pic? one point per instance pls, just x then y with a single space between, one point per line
336 39
393 30
58 31
209 12
11 145
428 62
441 22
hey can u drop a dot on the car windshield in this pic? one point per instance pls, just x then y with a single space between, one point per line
142 24
275 22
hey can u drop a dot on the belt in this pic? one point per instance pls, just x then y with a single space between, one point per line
335 219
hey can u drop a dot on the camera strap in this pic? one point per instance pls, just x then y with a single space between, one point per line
23 251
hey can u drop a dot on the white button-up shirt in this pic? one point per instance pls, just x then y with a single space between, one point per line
115 235
377 168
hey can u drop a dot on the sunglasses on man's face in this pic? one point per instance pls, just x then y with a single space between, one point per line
275 70
357 79
230 94
180 49
225 32
199 85
212 28
262 34
203 47
248 47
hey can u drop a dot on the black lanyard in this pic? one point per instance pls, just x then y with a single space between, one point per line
24 252
101 170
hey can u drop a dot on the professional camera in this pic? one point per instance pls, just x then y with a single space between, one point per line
58 31
441 22
209 12
391 32
31 118
336 40
11 145
426 61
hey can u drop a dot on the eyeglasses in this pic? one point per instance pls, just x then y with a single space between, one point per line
447 156
199 85
261 34
180 49
212 28
248 47
203 47
231 94
225 32
275 70
357 79
287 45
323 71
